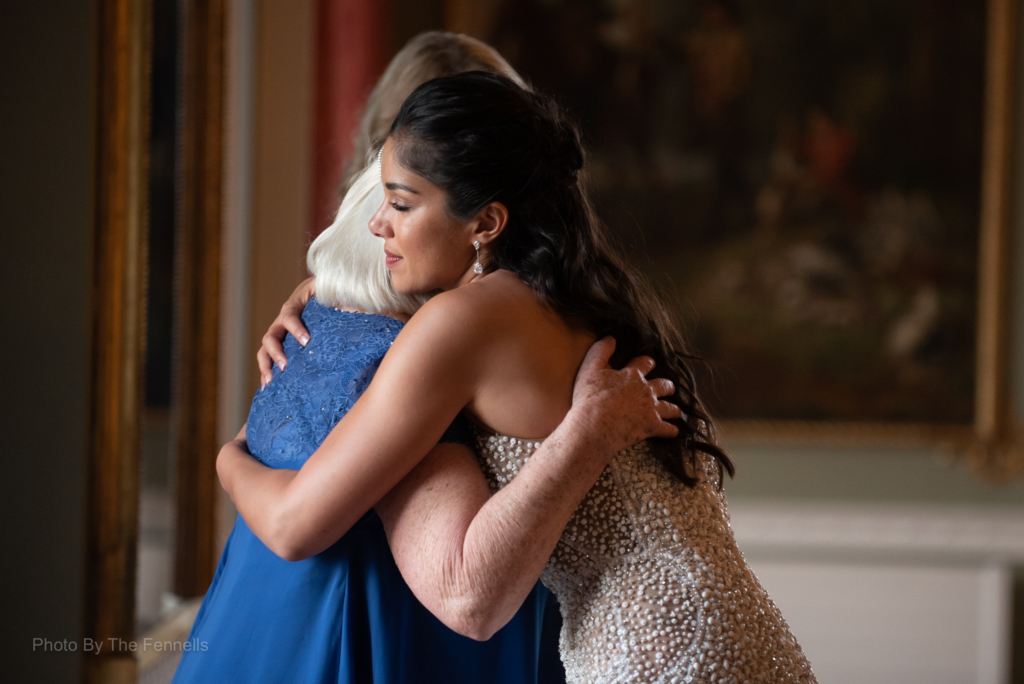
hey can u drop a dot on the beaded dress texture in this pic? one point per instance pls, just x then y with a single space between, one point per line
651 583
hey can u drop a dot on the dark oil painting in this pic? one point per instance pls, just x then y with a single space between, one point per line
800 177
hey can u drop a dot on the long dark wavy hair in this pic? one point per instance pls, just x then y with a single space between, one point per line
481 138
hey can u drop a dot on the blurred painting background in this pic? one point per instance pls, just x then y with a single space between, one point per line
801 177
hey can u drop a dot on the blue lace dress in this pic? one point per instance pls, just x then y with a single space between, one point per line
345 616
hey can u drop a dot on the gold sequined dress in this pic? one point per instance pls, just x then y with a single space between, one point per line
651 584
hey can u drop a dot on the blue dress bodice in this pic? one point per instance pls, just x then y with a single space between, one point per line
344 616
295 412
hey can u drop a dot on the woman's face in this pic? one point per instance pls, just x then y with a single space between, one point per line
425 249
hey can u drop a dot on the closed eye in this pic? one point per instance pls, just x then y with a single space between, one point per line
399 207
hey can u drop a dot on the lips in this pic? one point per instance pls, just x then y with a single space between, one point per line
391 259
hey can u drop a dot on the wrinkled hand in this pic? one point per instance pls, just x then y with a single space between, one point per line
621 407
288 321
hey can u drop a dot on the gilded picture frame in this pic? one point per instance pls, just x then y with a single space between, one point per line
984 433
118 316
992 443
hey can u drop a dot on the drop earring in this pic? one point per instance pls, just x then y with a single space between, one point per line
477 267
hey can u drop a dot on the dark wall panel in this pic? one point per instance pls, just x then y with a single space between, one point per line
46 132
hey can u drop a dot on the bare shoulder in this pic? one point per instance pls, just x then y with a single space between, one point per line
451 334
475 310
454 337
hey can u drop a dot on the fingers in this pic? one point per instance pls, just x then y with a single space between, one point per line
662 387
266 364
598 355
272 346
289 321
293 324
668 411
666 430
641 364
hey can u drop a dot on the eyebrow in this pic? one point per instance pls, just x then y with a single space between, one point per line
399 186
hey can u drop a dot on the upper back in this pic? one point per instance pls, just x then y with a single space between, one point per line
527 356
293 414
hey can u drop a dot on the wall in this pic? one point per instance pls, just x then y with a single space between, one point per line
282 162
921 475
852 485
46 77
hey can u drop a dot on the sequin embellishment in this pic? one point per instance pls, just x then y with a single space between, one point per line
651 584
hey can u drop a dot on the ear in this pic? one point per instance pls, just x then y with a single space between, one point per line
489 223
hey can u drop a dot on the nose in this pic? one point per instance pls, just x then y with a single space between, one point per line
379 225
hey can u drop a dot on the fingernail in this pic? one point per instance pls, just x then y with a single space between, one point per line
282 364
304 340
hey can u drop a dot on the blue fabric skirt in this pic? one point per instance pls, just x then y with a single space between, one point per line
346 616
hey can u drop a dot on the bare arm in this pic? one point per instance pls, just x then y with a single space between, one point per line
430 373
423 382
470 558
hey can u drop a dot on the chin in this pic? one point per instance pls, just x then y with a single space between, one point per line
408 284
403 286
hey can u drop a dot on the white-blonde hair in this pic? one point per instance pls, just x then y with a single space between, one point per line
348 260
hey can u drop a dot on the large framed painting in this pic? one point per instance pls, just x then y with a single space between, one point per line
816 185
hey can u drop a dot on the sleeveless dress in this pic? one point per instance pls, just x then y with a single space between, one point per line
345 616
650 582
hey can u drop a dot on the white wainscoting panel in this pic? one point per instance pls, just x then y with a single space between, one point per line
890 624
890 595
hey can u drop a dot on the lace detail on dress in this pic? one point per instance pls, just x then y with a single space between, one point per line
292 415
651 584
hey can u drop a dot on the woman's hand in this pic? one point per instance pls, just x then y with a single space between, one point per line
288 321
621 407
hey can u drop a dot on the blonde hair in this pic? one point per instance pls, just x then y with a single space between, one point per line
347 259
427 56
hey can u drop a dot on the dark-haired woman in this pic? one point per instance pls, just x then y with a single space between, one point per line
345 615
482 202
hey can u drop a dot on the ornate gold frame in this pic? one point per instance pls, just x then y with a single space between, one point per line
123 35
197 309
993 445
117 334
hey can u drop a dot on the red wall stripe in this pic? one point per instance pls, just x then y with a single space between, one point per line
351 53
